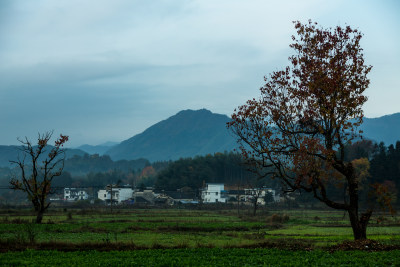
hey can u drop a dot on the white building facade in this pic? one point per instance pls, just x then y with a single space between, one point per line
259 194
74 194
213 193
117 195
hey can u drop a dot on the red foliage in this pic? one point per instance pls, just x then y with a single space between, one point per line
306 115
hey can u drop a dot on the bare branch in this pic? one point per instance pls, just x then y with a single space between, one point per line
37 184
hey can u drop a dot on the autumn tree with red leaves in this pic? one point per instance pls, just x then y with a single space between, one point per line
39 165
298 129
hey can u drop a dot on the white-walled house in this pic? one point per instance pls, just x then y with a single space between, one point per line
119 194
74 194
213 193
259 193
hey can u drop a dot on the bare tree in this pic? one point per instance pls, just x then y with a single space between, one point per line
254 195
38 165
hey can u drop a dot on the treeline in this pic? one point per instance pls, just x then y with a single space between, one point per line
384 168
384 160
81 165
143 177
98 171
228 168
225 168
94 171
385 164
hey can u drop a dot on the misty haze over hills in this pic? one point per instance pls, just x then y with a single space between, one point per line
196 132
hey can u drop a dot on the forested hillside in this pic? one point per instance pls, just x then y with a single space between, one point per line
225 168
186 134
382 163
8 153
79 165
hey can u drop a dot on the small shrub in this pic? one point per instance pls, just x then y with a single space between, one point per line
275 226
277 218
18 238
182 244
156 245
19 221
31 232
285 218
107 239
380 219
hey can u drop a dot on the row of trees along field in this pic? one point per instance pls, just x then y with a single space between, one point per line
227 168
376 164
230 168
78 165
384 164
95 170
381 164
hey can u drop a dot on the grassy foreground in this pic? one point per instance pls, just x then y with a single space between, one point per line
188 228
201 257
179 237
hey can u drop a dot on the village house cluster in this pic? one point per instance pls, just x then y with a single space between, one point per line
210 193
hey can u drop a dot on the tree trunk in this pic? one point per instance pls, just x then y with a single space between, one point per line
39 216
255 207
359 225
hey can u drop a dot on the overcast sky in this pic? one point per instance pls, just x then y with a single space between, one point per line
106 70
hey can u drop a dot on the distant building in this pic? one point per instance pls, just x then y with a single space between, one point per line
114 193
213 193
259 194
185 196
74 194
145 196
235 195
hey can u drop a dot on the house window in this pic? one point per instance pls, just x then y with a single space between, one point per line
216 193
105 195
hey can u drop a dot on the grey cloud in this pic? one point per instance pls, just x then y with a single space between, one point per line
107 70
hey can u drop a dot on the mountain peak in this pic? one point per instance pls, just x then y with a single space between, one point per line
191 113
186 134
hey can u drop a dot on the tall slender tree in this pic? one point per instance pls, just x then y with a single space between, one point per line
307 113
38 165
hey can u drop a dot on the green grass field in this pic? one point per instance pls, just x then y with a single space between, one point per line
189 236
201 257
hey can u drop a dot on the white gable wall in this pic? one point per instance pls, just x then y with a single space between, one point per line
213 193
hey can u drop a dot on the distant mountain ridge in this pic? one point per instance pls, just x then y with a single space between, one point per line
186 134
196 132
12 152
199 132
382 129
98 149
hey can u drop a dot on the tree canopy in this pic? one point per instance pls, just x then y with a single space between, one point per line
307 114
